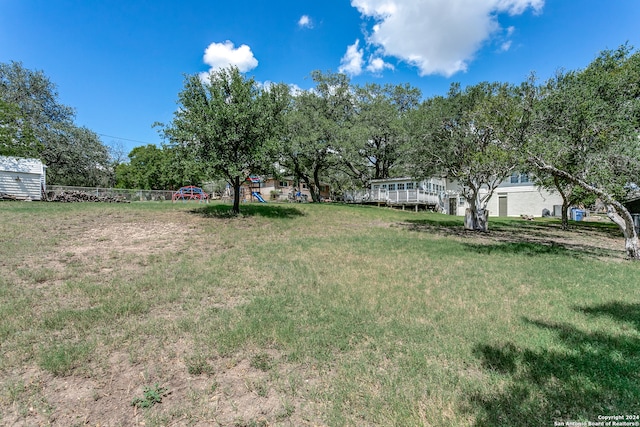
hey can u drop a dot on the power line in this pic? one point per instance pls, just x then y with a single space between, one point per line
126 139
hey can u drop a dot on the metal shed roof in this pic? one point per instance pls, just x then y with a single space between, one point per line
18 164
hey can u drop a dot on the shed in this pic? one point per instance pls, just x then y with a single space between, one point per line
21 178
633 205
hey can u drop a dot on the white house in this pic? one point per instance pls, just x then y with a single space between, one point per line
22 178
402 192
408 192
517 195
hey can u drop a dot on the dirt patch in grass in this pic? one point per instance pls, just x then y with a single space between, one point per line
95 249
145 237
232 393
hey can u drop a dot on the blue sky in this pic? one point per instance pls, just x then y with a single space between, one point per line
120 64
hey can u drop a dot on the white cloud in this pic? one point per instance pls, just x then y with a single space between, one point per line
352 61
305 22
504 41
377 65
295 90
438 36
221 55
267 85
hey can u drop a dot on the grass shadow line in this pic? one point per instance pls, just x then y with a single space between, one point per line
449 222
619 311
529 238
523 248
268 211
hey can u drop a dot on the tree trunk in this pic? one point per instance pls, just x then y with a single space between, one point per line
315 188
565 213
476 219
312 192
482 220
616 211
357 174
236 196
631 246
303 177
566 203
624 220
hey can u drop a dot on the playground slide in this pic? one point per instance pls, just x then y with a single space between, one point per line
259 197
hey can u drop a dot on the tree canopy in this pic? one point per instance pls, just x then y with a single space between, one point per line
586 132
466 137
35 124
16 135
165 168
379 133
230 123
316 127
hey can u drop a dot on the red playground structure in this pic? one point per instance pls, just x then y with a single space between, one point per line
190 192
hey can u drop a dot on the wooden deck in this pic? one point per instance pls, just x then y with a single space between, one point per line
416 199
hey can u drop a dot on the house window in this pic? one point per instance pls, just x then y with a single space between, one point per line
410 185
519 178
461 201
392 187
304 186
283 184
401 186
383 186
376 187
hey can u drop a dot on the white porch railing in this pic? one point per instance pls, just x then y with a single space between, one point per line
393 197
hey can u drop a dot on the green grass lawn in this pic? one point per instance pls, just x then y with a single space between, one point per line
301 314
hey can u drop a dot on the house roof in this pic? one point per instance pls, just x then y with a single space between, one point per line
402 179
19 164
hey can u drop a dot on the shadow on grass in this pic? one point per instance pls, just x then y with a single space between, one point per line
504 224
619 311
522 248
516 236
453 225
269 211
437 222
595 374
